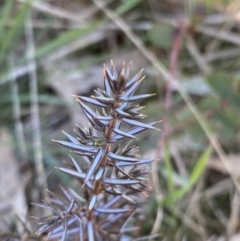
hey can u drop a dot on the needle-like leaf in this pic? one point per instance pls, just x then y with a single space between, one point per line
71 138
107 87
140 124
91 101
112 210
70 206
92 202
66 193
64 229
130 91
78 168
121 158
77 146
105 100
140 162
133 79
119 181
81 132
134 131
57 197
121 112
94 164
136 97
90 231
123 133
72 172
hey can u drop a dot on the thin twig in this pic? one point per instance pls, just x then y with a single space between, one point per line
167 77
174 59
36 128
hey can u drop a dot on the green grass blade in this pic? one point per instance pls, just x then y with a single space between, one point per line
194 177
199 167
169 169
6 10
65 38
177 179
12 35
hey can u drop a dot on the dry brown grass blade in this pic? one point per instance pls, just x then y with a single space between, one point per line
63 13
193 209
158 196
233 221
233 160
53 10
219 55
196 55
187 220
222 34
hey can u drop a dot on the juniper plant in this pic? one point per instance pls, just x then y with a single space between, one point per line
115 176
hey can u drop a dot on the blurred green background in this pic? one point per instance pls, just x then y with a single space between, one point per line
190 52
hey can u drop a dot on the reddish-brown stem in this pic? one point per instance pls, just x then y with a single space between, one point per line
177 43
167 104
97 185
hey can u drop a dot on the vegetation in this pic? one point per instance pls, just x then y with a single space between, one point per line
50 50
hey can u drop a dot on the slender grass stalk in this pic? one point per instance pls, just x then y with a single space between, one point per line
35 118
